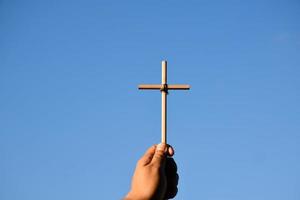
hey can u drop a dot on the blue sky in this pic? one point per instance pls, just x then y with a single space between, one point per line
73 124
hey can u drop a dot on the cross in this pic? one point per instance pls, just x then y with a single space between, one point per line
164 88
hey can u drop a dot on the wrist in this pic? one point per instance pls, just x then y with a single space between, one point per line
129 196
132 196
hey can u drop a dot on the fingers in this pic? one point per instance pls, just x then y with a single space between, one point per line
171 166
172 178
171 193
170 151
156 154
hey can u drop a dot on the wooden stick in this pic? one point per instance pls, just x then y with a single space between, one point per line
159 86
164 104
164 88
150 87
179 87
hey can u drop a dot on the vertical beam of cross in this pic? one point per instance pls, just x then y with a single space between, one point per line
164 88
164 102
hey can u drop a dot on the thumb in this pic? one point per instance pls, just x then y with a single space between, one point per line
147 157
159 157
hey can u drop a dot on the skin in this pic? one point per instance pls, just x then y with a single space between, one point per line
155 176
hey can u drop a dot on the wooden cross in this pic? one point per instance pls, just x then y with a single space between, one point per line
163 87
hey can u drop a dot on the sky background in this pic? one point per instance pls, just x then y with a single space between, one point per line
73 124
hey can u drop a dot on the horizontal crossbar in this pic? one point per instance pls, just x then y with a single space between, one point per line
160 86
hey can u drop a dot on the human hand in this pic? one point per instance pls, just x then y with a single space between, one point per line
155 176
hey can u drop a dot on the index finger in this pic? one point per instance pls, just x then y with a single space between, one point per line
170 151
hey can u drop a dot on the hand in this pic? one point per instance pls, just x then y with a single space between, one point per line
155 176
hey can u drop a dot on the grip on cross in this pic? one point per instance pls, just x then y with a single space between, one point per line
164 88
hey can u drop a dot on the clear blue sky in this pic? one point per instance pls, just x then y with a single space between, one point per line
73 124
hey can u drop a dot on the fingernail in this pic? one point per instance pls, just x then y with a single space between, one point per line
161 147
